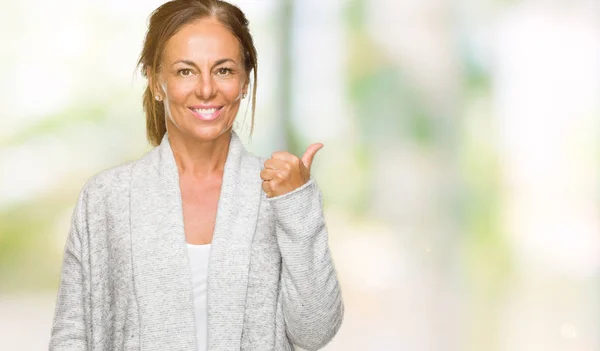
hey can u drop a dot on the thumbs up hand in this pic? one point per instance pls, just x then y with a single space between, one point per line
285 172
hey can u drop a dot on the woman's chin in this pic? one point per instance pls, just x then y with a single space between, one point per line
209 133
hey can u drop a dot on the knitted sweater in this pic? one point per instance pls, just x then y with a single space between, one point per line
126 282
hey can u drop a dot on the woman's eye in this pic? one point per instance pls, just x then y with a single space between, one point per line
185 72
223 71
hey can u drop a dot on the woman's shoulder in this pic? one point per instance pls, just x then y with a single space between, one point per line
118 176
110 183
111 177
257 159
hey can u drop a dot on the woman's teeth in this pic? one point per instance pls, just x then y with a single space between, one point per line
206 111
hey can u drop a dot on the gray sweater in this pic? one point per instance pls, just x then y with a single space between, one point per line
126 281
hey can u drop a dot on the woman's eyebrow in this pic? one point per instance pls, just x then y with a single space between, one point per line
223 61
218 62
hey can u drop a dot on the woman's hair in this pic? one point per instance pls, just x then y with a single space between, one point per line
167 20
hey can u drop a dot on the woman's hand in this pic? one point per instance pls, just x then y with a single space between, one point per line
285 172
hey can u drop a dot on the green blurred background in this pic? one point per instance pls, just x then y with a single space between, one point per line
460 170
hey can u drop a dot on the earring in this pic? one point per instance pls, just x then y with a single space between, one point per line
244 95
157 98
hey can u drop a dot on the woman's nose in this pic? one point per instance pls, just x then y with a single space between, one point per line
206 87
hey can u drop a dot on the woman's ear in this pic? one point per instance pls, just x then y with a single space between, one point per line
154 87
245 87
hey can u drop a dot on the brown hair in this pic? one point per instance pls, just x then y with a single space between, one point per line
165 21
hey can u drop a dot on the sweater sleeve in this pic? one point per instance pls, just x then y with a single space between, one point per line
312 301
68 328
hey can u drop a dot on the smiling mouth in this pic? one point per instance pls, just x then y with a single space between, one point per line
207 114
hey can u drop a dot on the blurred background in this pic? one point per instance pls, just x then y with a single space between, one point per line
461 168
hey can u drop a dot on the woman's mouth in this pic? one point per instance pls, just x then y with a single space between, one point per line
206 113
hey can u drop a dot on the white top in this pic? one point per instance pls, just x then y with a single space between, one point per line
199 255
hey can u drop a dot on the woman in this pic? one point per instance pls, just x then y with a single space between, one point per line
199 245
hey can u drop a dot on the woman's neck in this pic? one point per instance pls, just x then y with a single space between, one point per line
199 159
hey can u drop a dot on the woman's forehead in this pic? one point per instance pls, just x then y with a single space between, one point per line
203 40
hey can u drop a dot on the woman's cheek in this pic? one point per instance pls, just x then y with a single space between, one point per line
176 90
185 88
231 88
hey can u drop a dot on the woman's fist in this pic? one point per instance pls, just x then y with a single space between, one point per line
285 172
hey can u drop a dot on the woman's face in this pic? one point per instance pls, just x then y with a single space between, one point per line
202 79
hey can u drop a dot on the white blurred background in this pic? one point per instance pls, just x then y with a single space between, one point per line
461 168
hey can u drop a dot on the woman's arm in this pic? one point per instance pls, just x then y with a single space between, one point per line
69 329
312 301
